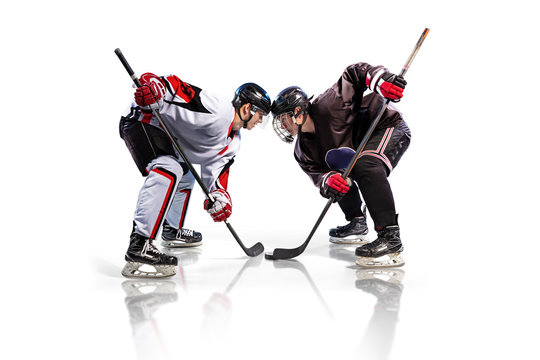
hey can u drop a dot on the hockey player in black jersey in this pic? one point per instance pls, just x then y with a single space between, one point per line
328 131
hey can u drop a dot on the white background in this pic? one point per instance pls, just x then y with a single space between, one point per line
466 190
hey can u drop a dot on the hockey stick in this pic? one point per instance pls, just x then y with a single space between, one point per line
256 249
280 253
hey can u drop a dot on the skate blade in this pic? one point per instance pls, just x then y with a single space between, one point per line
174 244
138 287
390 260
350 240
137 270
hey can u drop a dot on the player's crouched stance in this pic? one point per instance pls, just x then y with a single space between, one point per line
328 131
207 128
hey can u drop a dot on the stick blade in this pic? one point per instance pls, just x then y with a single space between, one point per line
282 254
255 250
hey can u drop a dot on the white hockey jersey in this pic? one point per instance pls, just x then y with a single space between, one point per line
201 124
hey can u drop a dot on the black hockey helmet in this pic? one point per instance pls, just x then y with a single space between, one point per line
284 107
253 94
290 98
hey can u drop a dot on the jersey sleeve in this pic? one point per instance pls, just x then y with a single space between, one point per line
356 79
308 165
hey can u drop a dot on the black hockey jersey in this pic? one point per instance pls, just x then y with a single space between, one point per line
342 116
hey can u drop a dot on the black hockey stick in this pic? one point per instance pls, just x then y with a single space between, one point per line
256 249
280 253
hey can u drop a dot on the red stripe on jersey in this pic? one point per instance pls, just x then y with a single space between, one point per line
222 151
165 201
232 122
182 89
231 135
223 179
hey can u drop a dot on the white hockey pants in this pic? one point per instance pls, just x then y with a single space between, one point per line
156 194
177 212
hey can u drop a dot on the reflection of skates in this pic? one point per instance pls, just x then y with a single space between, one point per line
144 260
144 297
342 252
353 233
385 284
179 238
385 251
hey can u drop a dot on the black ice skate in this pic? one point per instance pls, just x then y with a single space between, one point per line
179 238
142 256
353 233
384 251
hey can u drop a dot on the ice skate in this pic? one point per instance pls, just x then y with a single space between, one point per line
385 251
353 233
179 238
144 260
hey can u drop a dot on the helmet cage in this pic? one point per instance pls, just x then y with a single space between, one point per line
281 125
284 109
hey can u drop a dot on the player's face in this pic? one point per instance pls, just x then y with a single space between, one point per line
287 124
256 118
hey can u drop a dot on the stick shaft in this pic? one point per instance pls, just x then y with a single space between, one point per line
253 251
380 113
164 126
290 253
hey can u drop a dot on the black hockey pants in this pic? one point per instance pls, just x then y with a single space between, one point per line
370 174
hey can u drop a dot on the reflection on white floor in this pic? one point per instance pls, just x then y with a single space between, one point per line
152 305
222 304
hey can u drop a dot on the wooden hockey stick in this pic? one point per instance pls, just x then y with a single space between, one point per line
256 249
280 253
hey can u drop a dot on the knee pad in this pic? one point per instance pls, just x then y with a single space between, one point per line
168 163
369 165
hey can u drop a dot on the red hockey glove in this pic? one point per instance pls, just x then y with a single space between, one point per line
391 86
221 208
150 95
335 186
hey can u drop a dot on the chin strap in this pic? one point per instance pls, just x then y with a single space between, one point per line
245 121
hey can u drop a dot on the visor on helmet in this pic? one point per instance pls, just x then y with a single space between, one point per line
265 116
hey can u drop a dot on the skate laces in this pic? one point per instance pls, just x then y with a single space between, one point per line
185 233
150 248
350 225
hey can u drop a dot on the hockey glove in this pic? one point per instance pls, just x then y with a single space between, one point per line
335 186
389 85
221 208
150 95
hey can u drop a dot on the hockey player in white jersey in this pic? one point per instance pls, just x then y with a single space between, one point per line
207 128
